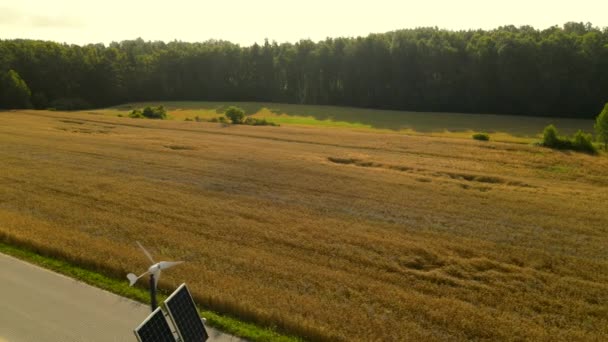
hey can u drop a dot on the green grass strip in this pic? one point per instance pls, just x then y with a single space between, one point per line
120 287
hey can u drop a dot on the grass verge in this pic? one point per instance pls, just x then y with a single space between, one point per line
120 287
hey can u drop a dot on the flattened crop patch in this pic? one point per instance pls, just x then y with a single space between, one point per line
366 163
180 147
483 179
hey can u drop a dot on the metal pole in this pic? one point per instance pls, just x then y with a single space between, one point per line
152 293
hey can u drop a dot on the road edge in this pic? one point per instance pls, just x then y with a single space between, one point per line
224 323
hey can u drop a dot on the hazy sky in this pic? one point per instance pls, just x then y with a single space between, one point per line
245 22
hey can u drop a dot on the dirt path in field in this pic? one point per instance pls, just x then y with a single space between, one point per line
39 305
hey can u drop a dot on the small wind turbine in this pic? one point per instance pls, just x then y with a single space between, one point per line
154 272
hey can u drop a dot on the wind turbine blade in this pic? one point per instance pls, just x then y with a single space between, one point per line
166 264
133 278
146 252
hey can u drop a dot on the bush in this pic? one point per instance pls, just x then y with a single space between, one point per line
550 137
235 114
220 119
583 142
136 114
258 122
149 112
155 112
481 136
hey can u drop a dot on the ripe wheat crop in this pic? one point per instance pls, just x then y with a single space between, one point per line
328 234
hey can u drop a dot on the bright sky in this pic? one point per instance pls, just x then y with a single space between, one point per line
248 21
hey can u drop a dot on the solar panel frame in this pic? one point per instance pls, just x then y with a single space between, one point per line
155 328
182 310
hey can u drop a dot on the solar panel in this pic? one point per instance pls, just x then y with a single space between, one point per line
182 310
154 329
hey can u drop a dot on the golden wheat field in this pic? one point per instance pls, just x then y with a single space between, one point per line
326 234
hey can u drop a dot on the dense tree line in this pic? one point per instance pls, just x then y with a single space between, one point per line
560 71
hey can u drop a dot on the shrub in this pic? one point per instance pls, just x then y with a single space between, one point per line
155 112
550 137
258 122
149 112
136 114
583 142
235 114
481 136
220 119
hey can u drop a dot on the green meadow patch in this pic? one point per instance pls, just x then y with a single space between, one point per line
502 127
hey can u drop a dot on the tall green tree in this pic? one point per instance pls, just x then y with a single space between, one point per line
559 71
601 126
14 92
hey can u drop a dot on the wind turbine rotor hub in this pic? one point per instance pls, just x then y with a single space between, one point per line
154 268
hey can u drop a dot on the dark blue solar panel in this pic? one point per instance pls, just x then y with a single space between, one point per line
155 329
183 313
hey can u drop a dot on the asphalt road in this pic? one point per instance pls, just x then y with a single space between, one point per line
40 305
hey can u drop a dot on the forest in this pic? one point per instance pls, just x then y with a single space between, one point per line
559 71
